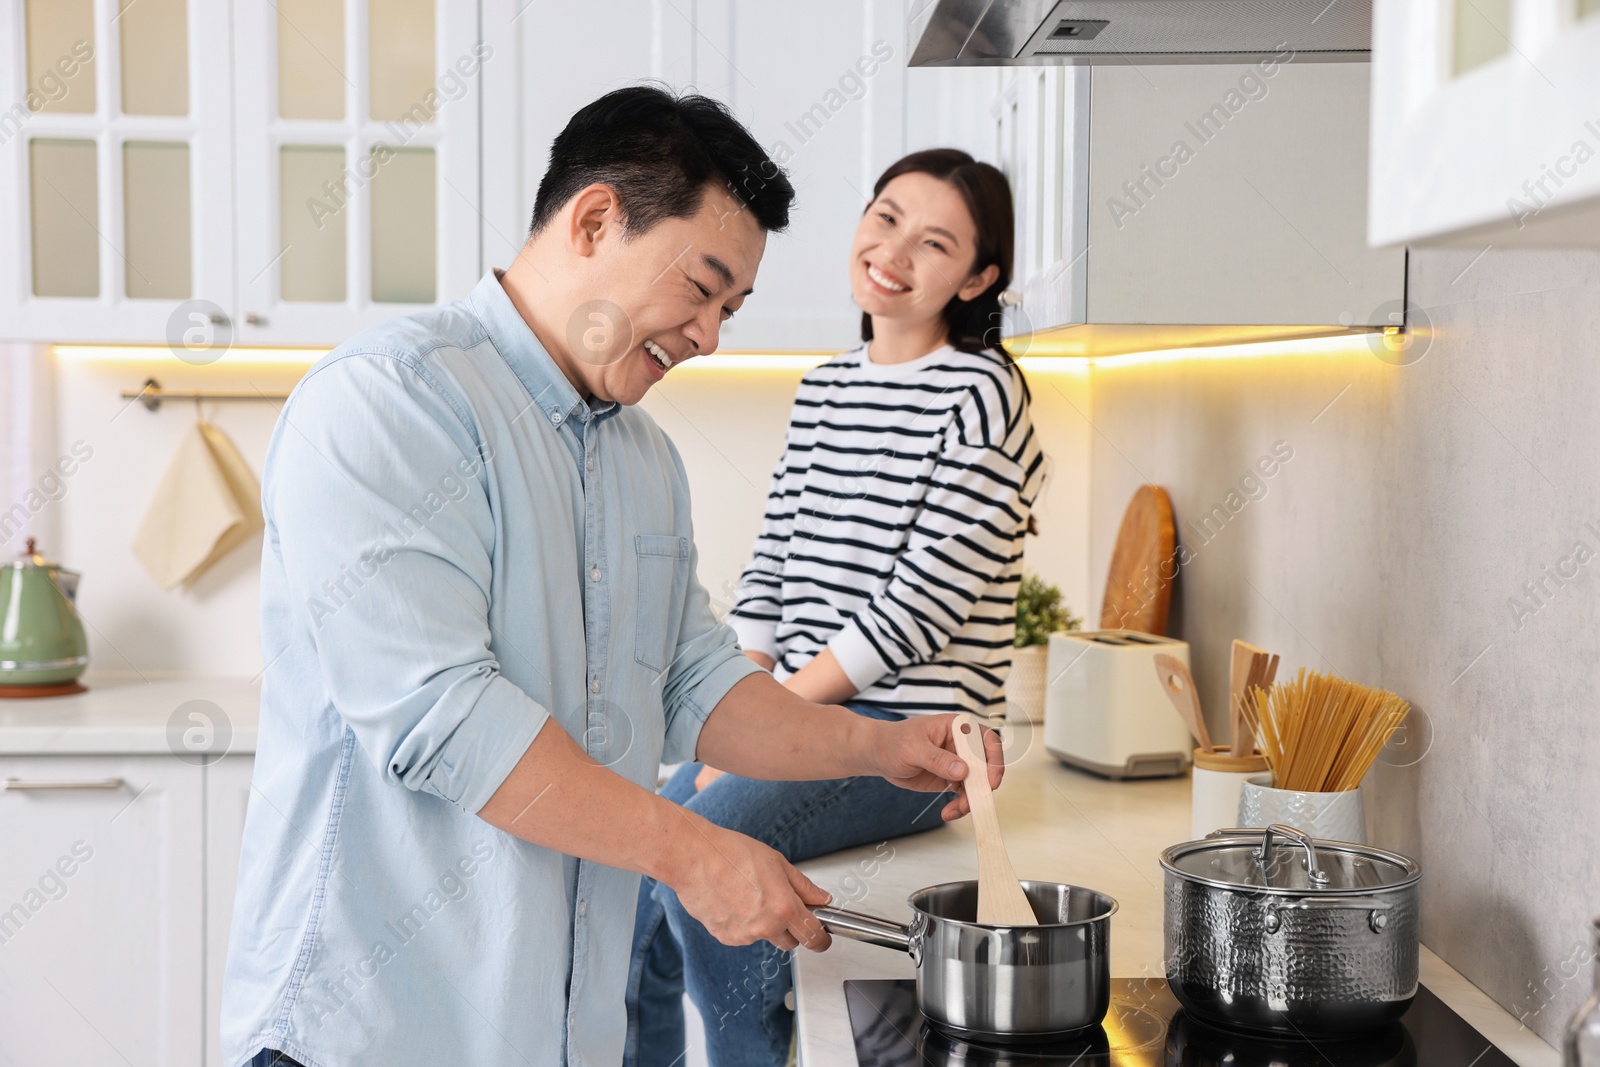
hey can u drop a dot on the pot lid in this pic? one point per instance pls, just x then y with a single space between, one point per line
1233 859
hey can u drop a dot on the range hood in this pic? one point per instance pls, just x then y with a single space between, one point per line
1091 32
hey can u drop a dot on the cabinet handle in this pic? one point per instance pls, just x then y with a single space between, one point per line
218 319
252 319
21 784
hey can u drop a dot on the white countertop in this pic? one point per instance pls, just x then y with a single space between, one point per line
134 716
1066 826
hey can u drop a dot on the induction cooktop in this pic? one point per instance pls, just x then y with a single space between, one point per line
1145 1027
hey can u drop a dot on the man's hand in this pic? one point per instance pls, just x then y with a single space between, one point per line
919 753
707 775
744 891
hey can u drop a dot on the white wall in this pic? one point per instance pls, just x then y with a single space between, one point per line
1393 549
134 626
728 424
28 492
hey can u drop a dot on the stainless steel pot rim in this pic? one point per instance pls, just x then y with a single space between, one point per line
1413 872
911 901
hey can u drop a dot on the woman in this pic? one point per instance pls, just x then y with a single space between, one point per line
885 576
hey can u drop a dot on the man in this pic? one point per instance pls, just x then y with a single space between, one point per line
484 633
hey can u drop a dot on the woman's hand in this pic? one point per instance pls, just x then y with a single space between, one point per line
919 753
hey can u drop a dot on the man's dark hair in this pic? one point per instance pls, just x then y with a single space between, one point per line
659 150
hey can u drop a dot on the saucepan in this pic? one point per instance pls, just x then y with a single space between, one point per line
1268 929
1000 984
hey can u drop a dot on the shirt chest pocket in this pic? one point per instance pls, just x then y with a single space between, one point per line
663 581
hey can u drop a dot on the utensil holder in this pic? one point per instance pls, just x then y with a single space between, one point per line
1331 816
1218 776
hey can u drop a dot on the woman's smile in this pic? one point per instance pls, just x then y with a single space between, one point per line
884 280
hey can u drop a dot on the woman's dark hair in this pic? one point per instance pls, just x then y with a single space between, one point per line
659 150
972 325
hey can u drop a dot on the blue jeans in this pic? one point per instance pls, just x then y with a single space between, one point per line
268 1058
740 991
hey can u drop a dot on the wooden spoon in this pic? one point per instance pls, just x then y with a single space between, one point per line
1179 687
1240 679
1001 901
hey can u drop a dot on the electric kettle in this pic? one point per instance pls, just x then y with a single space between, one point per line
43 648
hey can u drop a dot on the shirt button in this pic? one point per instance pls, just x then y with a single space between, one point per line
594 575
583 906
594 685
555 418
589 463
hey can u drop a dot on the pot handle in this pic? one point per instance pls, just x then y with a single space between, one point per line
1377 910
1263 855
868 928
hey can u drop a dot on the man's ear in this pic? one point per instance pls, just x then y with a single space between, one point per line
594 214
978 283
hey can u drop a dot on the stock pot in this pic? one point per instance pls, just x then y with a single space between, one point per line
1000 984
1270 930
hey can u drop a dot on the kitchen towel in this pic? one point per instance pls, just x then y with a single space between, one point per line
208 504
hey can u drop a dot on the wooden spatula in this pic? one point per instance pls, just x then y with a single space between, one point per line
1179 687
1240 679
1001 901
1263 669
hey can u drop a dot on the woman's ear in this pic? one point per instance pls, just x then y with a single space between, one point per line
980 281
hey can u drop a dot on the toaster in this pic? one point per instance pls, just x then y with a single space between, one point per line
1104 708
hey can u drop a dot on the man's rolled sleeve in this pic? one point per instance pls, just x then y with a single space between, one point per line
712 678
480 753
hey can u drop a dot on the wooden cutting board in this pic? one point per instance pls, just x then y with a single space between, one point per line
1139 584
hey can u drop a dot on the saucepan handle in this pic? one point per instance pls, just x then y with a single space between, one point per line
868 928
1377 910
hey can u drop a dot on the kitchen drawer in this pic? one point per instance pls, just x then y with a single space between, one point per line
101 910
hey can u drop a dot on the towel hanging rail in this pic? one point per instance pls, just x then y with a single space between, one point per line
151 394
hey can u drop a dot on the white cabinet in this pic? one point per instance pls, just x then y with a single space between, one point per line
550 60
953 107
101 911
357 132
819 88
302 168
1223 195
1176 205
1485 123
1041 124
115 167
227 794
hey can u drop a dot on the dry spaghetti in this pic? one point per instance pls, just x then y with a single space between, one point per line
1321 733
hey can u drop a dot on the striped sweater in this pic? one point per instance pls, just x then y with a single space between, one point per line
894 528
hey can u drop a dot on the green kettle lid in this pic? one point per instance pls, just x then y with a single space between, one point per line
31 558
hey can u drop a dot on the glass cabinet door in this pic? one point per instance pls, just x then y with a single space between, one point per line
115 136
358 162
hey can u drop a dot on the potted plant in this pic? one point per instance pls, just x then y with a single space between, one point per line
1040 613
